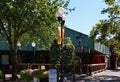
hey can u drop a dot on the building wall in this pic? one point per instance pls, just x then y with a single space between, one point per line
98 59
84 42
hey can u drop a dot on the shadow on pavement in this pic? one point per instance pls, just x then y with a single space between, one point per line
106 77
98 78
116 70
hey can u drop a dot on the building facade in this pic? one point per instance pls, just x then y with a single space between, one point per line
88 51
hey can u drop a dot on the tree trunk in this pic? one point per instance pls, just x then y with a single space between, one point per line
14 64
14 71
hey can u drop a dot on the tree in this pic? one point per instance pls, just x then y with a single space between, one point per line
21 19
108 31
64 54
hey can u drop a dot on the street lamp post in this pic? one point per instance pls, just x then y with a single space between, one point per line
33 45
19 45
18 52
79 52
61 19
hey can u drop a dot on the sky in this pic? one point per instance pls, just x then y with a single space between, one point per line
87 13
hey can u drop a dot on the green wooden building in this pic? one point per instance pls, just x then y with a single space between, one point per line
88 51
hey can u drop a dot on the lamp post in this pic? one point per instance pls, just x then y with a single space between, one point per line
61 20
33 45
79 52
19 45
18 54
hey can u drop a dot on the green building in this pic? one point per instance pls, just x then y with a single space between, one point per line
88 51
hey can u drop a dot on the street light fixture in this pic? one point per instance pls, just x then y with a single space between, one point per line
61 19
19 47
33 45
19 44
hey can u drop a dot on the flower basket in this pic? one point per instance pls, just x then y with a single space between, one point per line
24 75
33 75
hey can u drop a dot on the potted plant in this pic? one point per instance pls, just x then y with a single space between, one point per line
37 75
34 75
45 78
26 75
40 75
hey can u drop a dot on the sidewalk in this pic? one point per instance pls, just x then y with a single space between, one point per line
105 76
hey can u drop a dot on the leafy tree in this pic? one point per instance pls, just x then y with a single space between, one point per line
68 51
55 52
62 54
108 31
21 19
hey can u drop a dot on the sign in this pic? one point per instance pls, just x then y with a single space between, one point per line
53 75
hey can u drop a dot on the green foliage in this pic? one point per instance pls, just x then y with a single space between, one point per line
20 20
24 75
64 54
25 17
28 74
31 20
108 31
38 73
68 51
109 2
1 73
55 52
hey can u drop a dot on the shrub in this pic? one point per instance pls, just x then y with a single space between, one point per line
24 75
1 73
28 74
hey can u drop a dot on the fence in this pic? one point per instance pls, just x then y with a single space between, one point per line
88 69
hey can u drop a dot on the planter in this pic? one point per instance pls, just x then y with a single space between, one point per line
44 79
36 79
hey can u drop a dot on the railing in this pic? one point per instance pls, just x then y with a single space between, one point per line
88 69
95 68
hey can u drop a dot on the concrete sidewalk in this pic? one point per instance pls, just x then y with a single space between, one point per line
105 76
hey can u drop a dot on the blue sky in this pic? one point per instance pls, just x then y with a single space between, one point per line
87 13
